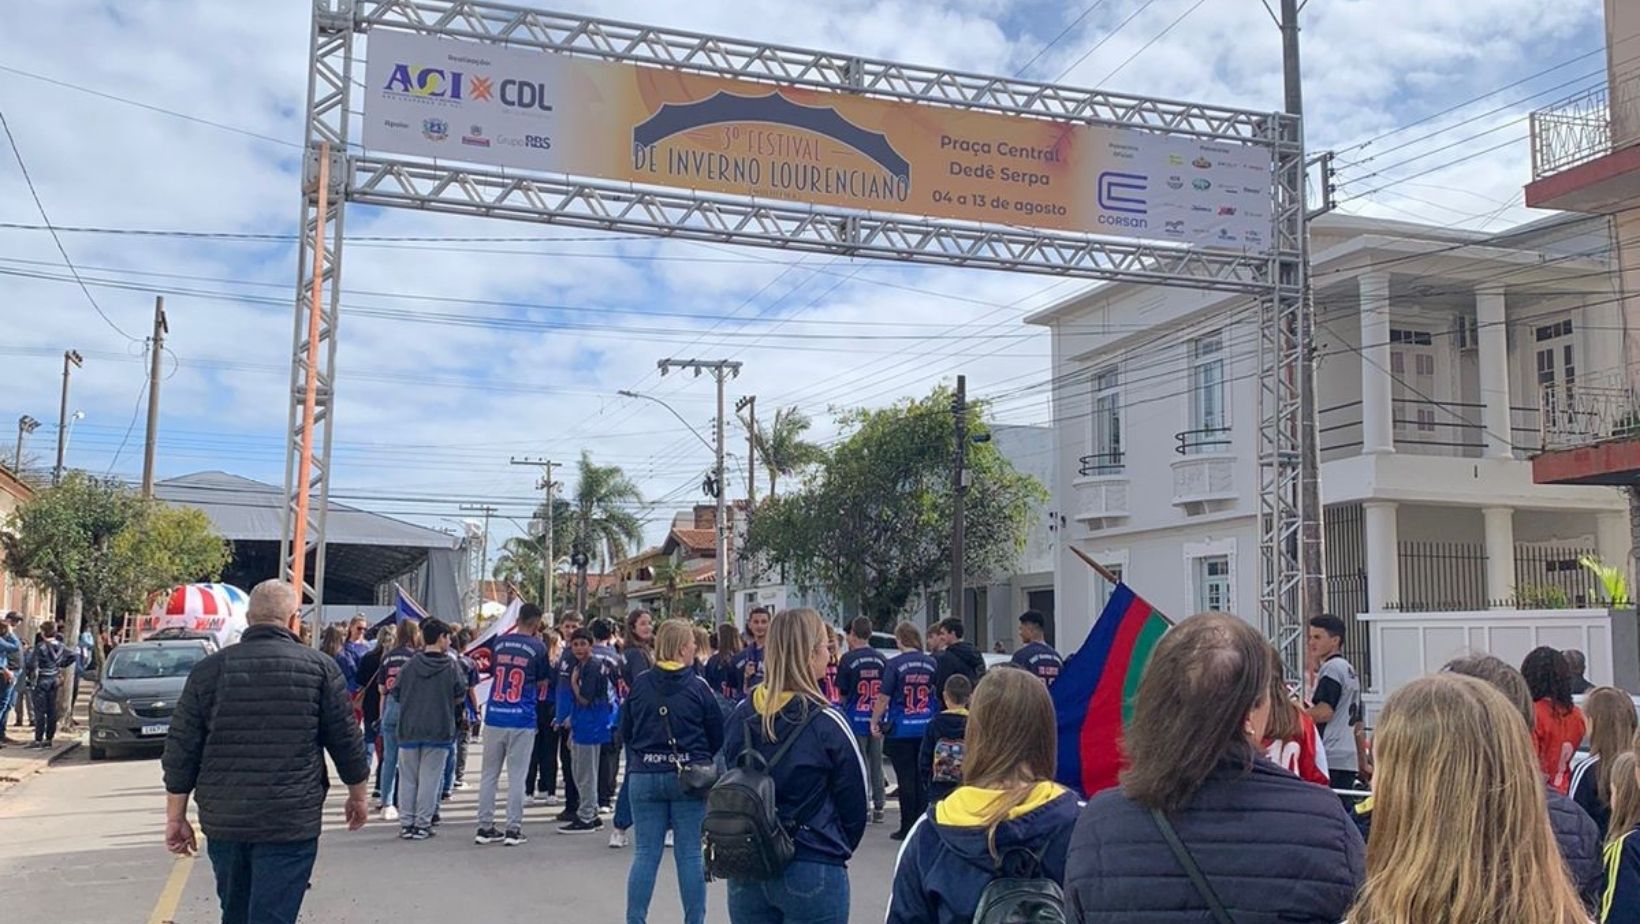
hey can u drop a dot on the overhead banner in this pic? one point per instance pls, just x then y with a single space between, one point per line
436 98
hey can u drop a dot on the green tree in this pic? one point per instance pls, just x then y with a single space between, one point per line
872 525
781 446
103 548
600 521
519 564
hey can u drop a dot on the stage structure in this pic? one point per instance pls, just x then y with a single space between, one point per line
485 109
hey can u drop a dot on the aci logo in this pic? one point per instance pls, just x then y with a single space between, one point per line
435 129
428 82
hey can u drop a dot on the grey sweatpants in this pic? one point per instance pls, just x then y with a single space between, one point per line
583 760
510 748
871 748
421 777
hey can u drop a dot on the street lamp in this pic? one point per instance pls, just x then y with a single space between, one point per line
71 360
76 418
626 393
25 426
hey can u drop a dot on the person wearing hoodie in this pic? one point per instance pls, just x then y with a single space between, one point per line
1009 818
819 785
590 689
637 658
670 719
427 690
955 655
941 757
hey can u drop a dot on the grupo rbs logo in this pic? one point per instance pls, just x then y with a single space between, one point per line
1123 194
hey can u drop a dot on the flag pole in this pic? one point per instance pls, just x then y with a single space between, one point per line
1098 569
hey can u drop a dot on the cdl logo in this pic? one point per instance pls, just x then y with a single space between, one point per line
1122 192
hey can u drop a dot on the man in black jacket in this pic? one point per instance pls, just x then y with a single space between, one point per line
955 655
246 741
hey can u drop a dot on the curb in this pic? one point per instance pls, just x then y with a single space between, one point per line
7 783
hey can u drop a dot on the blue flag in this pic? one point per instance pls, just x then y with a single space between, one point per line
405 609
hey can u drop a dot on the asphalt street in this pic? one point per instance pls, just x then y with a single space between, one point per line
83 842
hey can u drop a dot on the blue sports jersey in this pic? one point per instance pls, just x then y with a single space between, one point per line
908 682
519 665
752 655
1040 659
859 680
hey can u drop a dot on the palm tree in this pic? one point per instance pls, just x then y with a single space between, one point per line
782 447
599 520
669 577
520 565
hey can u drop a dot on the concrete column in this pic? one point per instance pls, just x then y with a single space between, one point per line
1612 539
1500 555
1494 357
1377 388
1383 558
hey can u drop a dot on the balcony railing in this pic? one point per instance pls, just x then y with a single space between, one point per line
1593 411
1101 463
1444 428
1205 440
1580 129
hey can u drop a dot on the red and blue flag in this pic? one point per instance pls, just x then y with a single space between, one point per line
1094 695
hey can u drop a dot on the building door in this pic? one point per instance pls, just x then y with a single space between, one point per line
1412 367
1556 362
1042 602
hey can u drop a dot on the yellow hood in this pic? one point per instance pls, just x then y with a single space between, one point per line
966 807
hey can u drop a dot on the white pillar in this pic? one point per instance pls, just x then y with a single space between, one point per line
1500 555
1612 539
1494 357
1383 559
1377 388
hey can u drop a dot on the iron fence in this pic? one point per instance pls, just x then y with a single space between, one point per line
1346 554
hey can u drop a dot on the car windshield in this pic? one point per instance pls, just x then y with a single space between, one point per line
147 663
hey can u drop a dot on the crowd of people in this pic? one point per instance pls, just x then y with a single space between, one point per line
31 678
758 758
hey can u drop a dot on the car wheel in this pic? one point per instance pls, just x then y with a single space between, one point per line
98 752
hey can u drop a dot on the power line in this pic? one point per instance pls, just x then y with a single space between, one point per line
1055 40
1107 37
1130 58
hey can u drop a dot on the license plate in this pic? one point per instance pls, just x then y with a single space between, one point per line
155 729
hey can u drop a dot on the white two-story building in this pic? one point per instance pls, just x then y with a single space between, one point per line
1434 348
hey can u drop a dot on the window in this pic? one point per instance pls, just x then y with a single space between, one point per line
1103 588
1556 359
1412 366
1213 584
1209 418
1106 458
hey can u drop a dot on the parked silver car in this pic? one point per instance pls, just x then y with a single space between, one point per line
140 684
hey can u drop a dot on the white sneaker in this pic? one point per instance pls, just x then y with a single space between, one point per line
618 839
538 799
552 800
390 814
668 837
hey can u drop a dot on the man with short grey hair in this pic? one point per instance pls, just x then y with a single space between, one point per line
1580 666
247 741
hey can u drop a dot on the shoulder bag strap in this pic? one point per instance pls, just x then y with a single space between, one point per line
1203 887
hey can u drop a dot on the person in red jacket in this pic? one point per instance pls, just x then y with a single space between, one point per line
1290 737
1560 726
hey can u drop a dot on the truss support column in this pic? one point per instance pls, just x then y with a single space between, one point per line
313 340
1283 348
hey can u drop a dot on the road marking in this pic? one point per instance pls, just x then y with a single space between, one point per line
171 896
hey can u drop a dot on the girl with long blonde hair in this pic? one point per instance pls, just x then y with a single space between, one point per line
1460 830
819 781
1620 899
1009 818
1612 725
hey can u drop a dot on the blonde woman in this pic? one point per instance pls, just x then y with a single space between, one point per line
1611 732
1620 899
1008 818
669 719
820 783
1444 853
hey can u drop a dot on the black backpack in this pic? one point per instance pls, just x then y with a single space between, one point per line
1020 894
745 837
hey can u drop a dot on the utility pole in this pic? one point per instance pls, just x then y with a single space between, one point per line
25 426
71 360
156 346
722 370
959 495
749 405
549 551
483 545
1312 561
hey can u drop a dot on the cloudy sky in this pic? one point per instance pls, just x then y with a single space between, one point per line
465 342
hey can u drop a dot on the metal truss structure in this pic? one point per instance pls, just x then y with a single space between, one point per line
418 183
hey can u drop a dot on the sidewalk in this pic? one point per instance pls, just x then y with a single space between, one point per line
18 763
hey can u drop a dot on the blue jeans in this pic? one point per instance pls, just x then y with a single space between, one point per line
623 799
658 804
261 883
808 893
390 752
